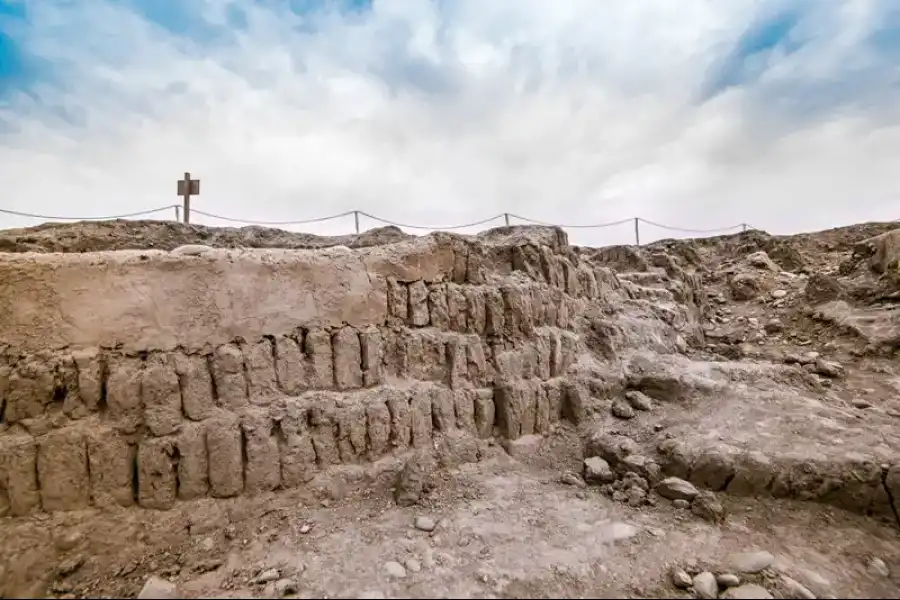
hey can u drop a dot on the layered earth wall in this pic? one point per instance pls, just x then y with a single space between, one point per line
148 377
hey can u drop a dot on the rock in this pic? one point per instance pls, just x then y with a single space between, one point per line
640 465
680 579
621 409
705 585
778 294
413 565
423 523
744 286
636 496
597 470
267 576
774 326
795 589
822 288
573 479
394 570
761 260
412 481
675 488
829 369
619 496
748 591
752 562
860 403
877 566
191 250
285 587
70 565
372 595
638 400
157 588
707 506
727 580
681 503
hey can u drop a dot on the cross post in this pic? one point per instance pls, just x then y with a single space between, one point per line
188 187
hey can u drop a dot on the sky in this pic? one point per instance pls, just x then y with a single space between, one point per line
695 114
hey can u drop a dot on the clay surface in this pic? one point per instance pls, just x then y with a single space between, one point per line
195 390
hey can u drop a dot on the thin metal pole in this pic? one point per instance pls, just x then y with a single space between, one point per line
177 214
356 220
187 198
506 218
637 232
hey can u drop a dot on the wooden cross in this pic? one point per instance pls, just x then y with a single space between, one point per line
188 187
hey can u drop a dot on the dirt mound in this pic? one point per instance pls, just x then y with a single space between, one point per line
99 236
500 415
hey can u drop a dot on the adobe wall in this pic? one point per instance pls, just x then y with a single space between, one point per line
146 377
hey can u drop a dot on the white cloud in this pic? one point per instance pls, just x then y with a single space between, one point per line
441 113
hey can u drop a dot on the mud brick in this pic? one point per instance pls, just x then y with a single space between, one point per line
438 309
320 372
157 481
324 429
443 411
477 366
554 393
495 319
298 456
476 311
484 412
62 466
228 373
19 494
226 463
456 308
398 302
259 363
372 356
262 471
193 462
378 423
195 380
542 409
161 395
464 408
31 385
347 359
458 370
90 367
418 304
112 468
420 415
398 405
351 429
289 365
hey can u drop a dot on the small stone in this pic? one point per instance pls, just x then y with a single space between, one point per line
394 569
727 580
157 588
267 576
675 488
191 250
748 591
795 589
774 326
423 523
705 585
70 565
413 565
636 496
619 496
681 503
829 369
285 587
638 400
752 562
597 470
305 528
707 506
681 579
860 403
878 566
569 478
621 409
778 294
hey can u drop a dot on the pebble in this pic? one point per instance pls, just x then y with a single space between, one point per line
778 294
572 479
284 587
423 523
638 400
681 579
705 585
681 503
748 591
394 569
795 589
675 488
305 528
707 506
860 403
157 588
621 409
69 566
876 565
752 562
413 565
727 580
598 470
267 576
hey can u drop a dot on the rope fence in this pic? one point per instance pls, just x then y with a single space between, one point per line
505 218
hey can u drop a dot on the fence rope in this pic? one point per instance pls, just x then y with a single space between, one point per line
107 218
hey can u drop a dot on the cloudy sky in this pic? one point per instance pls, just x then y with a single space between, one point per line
698 114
